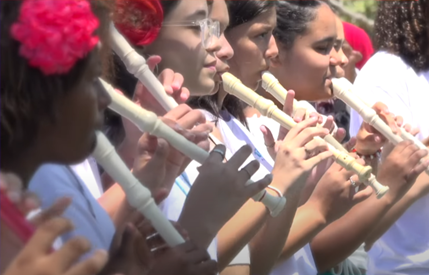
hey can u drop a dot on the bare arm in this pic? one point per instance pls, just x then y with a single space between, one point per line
236 270
389 219
116 205
268 243
238 232
306 224
341 238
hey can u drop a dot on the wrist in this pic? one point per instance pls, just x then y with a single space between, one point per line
390 198
278 183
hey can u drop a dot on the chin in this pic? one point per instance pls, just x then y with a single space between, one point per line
84 153
208 87
216 87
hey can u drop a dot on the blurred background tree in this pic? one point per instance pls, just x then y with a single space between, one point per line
359 12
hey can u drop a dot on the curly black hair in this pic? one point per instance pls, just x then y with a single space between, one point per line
402 28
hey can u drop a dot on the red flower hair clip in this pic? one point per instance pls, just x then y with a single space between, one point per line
139 21
55 34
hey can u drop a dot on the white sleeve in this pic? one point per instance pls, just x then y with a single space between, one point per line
383 79
242 258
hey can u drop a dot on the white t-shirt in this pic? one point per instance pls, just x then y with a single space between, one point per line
236 136
404 248
89 174
302 262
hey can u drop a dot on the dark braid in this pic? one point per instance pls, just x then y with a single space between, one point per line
402 28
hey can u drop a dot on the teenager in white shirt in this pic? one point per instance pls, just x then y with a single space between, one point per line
398 76
306 34
250 34
253 215
181 28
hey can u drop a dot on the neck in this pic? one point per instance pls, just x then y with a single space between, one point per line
221 95
24 166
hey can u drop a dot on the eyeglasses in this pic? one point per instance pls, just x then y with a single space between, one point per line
210 30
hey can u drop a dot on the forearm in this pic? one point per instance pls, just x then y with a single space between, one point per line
116 205
306 224
394 213
247 224
126 153
341 238
236 270
266 246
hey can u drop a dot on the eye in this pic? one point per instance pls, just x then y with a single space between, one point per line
338 45
263 35
324 49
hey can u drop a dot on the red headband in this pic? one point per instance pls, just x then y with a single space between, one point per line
359 41
55 34
139 20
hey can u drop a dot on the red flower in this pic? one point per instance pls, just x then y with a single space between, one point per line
139 21
55 34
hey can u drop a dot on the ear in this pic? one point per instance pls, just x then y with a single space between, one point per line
275 62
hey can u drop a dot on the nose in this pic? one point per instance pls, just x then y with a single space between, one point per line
335 58
344 60
225 52
215 44
272 50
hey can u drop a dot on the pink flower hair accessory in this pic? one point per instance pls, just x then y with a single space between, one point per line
55 34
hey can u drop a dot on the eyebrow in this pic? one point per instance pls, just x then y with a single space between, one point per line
197 14
263 27
327 39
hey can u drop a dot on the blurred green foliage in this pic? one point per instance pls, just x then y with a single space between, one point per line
367 8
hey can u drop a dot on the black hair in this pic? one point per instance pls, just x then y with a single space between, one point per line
240 12
402 28
27 95
244 11
293 18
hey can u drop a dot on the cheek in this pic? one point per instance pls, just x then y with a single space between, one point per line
182 51
314 64
245 62
83 113
317 70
